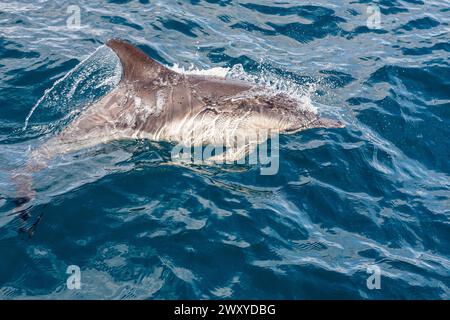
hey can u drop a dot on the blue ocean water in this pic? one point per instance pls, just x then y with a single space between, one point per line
376 193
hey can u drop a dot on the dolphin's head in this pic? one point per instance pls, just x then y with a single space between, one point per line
287 116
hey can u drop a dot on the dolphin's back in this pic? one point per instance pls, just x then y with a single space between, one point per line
168 95
141 71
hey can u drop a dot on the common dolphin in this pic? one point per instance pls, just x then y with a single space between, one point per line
156 103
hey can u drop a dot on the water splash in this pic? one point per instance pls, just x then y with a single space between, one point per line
271 83
274 84
219 72
94 76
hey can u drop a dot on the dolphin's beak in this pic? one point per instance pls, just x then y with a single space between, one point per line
319 123
328 123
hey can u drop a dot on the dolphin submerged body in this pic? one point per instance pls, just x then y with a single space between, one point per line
156 103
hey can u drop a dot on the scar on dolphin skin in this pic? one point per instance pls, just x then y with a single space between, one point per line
153 102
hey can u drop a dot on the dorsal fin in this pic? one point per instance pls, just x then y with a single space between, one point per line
136 65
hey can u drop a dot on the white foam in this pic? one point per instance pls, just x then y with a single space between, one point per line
219 72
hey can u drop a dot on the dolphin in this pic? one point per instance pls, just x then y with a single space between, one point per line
156 103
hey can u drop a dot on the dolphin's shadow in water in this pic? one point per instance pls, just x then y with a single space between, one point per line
23 214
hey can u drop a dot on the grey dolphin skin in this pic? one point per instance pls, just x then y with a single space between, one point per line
156 103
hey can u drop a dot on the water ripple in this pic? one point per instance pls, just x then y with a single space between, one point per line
140 227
